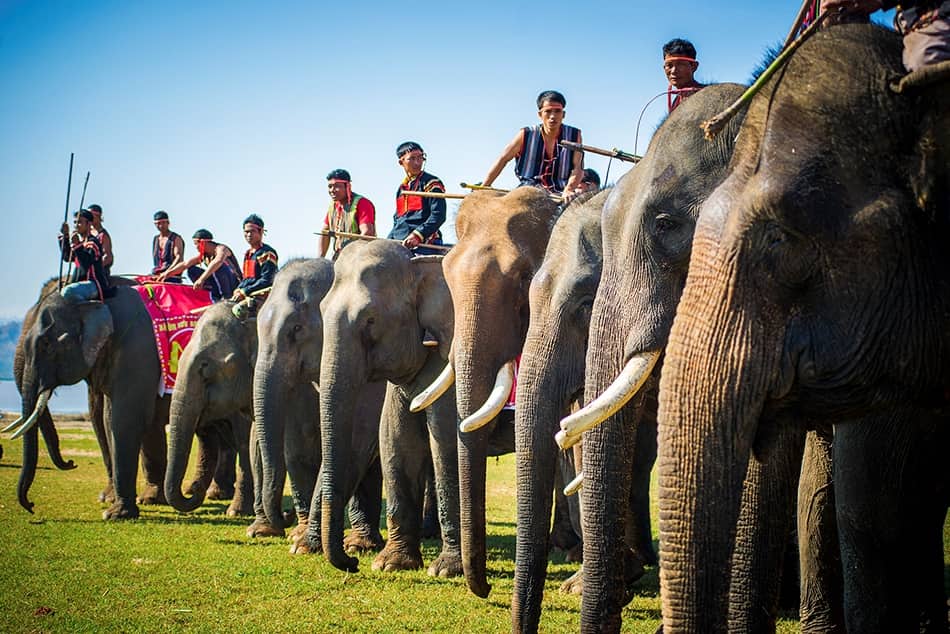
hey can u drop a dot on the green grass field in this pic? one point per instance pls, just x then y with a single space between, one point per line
65 570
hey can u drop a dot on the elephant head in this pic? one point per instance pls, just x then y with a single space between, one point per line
647 228
59 345
817 285
290 344
501 242
376 315
551 378
213 386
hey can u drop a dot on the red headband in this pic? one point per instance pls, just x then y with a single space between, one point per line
678 58
334 181
255 225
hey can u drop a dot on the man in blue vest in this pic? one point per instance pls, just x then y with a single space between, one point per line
417 219
348 213
542 161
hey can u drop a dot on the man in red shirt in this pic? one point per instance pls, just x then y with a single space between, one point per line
348 213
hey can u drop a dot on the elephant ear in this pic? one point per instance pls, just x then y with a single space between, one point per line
433 301
97 327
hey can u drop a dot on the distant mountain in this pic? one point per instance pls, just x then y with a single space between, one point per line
9 332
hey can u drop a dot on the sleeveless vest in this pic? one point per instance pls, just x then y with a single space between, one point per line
530 161
345 223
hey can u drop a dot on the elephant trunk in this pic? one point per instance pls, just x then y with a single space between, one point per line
474 378
341 375
270 394
186 408
711 396
30 402
51 438
545 387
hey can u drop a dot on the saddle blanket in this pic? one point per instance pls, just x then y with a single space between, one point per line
169 306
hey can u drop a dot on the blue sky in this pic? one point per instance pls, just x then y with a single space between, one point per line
212 110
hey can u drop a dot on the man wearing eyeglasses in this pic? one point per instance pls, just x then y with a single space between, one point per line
417 219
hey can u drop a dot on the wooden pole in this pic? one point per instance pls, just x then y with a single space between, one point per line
359 236
483 188
433 194
614 153
69 185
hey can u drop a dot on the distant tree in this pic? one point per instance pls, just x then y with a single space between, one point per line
9 331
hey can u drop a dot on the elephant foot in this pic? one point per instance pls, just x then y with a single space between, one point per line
240 508
632 571
298 531
107 495
574 584
263 528
153 494
217 493
301 543
360 542
120 511
393 558
446 565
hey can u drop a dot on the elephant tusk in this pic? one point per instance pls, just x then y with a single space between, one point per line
565 440
11 425
625 386
574 485
35 416
432 393
495 402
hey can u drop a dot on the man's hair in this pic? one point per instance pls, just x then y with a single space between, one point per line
160 215
408 146
254 219
590 176
679 48
96 209
338 174
202 234
552 96
85 213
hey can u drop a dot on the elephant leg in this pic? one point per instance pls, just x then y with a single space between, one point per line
443 446
302 456
154 453
563 535
260 527
225 473
404 453
878 514
243 502
127 423
640 532
96 415
430 508
819 553
365 507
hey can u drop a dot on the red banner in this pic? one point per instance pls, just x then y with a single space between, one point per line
170 306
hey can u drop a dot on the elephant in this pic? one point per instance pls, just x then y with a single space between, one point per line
212 399
112 347
648 223
376 315
817 291
501 242
551 378
290 334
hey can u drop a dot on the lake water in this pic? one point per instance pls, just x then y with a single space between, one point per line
69 399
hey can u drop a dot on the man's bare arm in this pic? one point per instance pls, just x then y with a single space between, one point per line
511 151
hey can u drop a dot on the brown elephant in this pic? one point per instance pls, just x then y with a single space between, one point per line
818 289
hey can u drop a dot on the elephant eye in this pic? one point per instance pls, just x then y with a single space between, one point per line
665 223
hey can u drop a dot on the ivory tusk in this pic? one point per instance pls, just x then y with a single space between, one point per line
11 425
625 386
35 416
574 485
495 402
565 440
432 393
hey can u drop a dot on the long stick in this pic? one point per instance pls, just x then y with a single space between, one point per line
69 185
482 188
82 201
433 194
614 153
360 236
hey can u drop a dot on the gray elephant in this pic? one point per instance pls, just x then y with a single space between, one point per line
212 400
290 332
648 225
376 314
112 347
818 288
